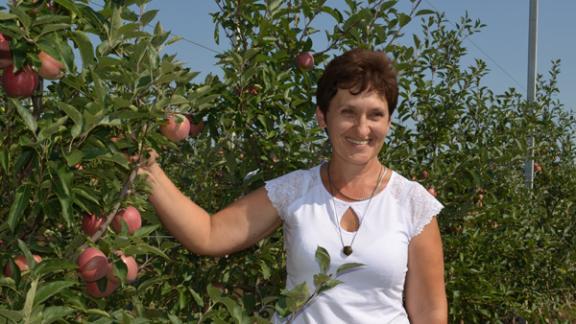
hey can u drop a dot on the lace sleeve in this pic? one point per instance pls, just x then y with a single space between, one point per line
424 207
285 189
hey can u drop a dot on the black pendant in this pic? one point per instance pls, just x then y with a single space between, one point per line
347 250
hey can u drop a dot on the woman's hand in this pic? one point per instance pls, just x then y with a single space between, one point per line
236 227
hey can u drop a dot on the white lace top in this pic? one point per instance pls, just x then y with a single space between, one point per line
369 294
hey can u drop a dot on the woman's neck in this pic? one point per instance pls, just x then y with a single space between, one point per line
354 176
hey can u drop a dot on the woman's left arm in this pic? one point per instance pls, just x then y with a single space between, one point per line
425 291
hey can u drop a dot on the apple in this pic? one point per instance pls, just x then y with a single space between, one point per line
537 167
5 53
196 129
51 68
112 282
176 127
21 263
425 174
130 216
131 265
432 191
91 224
305 61
20 84
92 264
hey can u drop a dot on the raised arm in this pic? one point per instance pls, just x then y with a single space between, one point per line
425 291
236 227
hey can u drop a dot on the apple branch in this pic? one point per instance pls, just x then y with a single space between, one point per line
123 193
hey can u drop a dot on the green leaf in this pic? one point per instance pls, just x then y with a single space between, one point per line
52 128
8 283
4 159
85 47
265 270
296 297
7 16
347 266
145 231
26 116
148 16
49 267
174 319
329 284
99 90
403 19
14 316
56 313
143 248
23 17
424 12
320 279
68 5
71 112
62 186
20 203
28 304
323 259
98 312
52 28
50 289
91 196
213 292
197 298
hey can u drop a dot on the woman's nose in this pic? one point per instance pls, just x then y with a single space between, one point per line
363 127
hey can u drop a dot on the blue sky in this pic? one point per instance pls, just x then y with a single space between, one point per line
503 43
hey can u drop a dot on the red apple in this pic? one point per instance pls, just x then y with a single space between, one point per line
5 53
51 68
112 282
537 167
305 61
425 174
176 127
92 264
21 84
131 265
196 129
432 191
130 216
91 224
21 263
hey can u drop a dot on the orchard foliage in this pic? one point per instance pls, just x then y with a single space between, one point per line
71 150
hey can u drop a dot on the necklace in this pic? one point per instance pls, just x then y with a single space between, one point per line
347 249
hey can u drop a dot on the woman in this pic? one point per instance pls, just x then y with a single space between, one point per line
353 206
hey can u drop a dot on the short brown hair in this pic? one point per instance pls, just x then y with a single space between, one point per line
358 70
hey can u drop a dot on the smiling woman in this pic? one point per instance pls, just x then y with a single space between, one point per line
354 206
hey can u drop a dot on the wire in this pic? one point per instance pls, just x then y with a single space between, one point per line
200 45
501 68
182 37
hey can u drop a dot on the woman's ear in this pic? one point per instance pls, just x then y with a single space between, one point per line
320 118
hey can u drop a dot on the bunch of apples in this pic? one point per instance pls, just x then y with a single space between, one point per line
93 265
23 82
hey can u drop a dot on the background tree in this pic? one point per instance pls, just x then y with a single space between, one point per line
69 149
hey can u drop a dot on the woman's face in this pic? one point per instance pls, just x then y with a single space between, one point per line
357 125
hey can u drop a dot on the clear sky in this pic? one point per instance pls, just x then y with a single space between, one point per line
503 43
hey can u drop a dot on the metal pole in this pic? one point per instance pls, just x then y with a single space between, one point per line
532 51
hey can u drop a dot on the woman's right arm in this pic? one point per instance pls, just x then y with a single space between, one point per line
236 227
